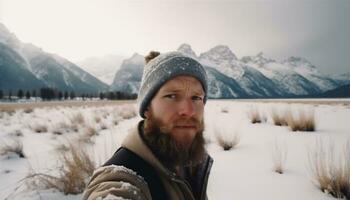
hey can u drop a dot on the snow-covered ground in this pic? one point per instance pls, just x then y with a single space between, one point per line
244 172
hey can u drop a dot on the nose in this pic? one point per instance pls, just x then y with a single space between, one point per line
187 108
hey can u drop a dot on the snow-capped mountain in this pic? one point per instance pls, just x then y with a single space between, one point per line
41 69
14 73
218 55
187 50
294 76
128 77
254 83
309 71
260 59
104 68
7 37
251 76
220 85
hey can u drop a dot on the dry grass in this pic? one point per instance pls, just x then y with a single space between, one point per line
255 116
127 112
224 110
227 143
74 127
331 174
90 131
39 128
279 157
305 121
64 127
13 146
8 111
97 119
16 133
116 118
28 110
61 128
78 119
62 148
77 167
279 119
103 126
40 104
87 135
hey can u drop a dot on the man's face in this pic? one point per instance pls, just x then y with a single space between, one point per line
178 109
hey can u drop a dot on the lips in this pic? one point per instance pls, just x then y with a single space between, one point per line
186 126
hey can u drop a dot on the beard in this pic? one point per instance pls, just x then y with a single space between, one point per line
170 152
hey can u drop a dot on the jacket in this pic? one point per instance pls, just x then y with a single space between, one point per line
118 181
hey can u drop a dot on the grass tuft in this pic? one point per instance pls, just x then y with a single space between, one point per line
255 116
90 131
39 128
224 110
73 175
17 133
127 112
13 146
331 174
279 157
227 143
78 119
279 119
28 110
305 121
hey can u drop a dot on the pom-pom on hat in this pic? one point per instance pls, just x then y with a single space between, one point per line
162 67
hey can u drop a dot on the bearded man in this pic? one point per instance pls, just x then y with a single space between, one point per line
164 157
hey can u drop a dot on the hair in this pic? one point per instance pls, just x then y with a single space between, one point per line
151 55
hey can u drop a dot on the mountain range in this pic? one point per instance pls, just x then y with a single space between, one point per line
248 77
25 66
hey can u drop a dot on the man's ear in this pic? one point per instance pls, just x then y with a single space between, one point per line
147 112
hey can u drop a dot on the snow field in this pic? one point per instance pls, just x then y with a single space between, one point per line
246 171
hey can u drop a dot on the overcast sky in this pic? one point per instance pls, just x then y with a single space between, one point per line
315 29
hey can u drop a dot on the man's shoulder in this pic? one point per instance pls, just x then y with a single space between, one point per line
131 160
116 180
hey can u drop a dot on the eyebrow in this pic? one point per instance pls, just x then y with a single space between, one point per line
196 92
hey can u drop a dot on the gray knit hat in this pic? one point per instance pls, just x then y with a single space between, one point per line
163 68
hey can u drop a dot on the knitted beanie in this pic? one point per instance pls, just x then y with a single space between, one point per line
163 68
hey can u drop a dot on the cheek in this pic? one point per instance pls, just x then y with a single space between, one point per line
164 112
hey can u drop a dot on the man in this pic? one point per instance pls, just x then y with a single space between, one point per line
164 157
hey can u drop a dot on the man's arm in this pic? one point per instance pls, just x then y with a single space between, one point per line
116 181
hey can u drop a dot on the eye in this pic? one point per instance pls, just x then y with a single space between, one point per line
170 96
197 98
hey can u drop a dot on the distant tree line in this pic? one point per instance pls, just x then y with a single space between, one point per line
117 95
48 94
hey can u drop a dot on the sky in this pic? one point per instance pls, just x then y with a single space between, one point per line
317 30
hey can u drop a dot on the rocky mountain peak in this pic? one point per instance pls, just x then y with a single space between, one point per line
8 38
219 54
187 50
298 61
259 59
135 59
